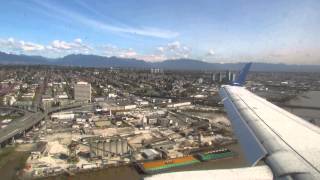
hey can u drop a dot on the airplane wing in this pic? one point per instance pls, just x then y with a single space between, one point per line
251 173
289 145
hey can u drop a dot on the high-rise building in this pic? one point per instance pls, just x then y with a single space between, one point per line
82 92
217 77
228 76
156 70
233 77
222 77
225 77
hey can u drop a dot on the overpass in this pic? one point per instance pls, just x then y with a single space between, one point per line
19 126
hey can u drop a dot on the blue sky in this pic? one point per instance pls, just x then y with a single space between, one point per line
276 31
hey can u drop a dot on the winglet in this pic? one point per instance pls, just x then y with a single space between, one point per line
241 78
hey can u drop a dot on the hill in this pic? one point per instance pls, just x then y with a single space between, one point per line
178 64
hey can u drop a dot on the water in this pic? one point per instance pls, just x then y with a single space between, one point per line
311 98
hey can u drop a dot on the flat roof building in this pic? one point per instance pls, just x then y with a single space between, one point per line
82 92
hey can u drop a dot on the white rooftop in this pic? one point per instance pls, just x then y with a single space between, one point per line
82 82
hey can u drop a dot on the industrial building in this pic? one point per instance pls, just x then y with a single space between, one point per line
150 154
108 146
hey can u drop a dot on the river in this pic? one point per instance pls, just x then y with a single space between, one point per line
310 98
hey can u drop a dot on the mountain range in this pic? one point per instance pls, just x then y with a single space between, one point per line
177 64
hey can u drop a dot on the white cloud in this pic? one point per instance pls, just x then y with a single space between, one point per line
211 52
62 13
78 40
75 46
56 48
61 45
281 55
59 48
174 45
28 46
13 45
152 57
160 49
10 40
174 50
130 53
111 50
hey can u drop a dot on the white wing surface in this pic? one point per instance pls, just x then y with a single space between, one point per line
287 143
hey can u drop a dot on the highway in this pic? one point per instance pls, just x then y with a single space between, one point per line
18 126
30 119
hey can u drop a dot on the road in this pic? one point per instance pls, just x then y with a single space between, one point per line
18 126
38 96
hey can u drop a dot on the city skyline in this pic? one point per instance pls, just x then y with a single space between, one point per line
212 31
